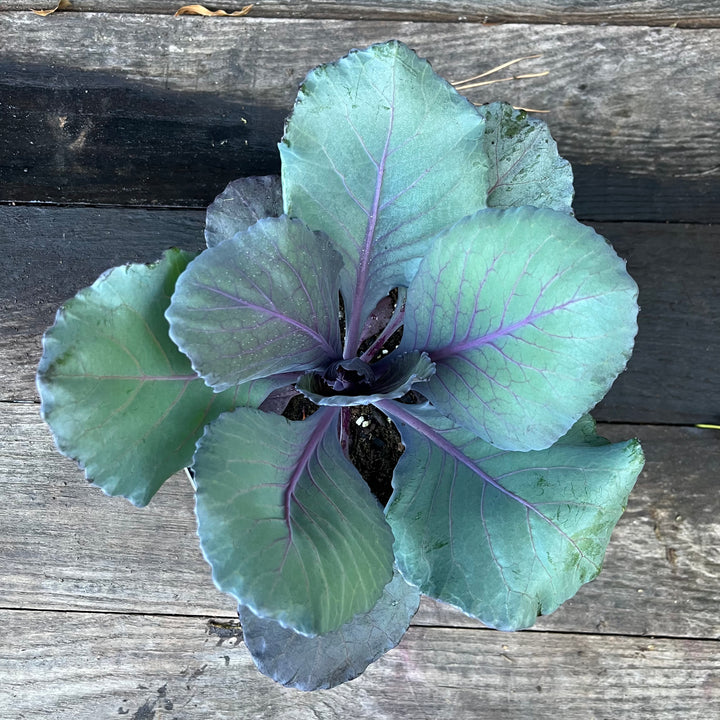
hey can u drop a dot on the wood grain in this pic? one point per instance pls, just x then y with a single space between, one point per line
68 547
695 13
89 666
47 254
137 109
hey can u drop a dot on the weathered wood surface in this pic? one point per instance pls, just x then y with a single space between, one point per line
48 254
106 607
133 109
693 13
68 547
90 666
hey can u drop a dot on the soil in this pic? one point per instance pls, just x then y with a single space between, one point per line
375 445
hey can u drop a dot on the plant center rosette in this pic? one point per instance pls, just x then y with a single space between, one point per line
419 255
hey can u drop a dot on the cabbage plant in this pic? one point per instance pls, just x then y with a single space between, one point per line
418 255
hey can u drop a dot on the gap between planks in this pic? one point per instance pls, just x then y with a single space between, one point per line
203 208
470 626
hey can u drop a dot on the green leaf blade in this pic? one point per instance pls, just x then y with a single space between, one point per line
116 392
503 535
263 302
287 523
529 317
381 154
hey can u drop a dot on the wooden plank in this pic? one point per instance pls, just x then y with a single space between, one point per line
89 666
692 14
48 254
68 547
118 109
